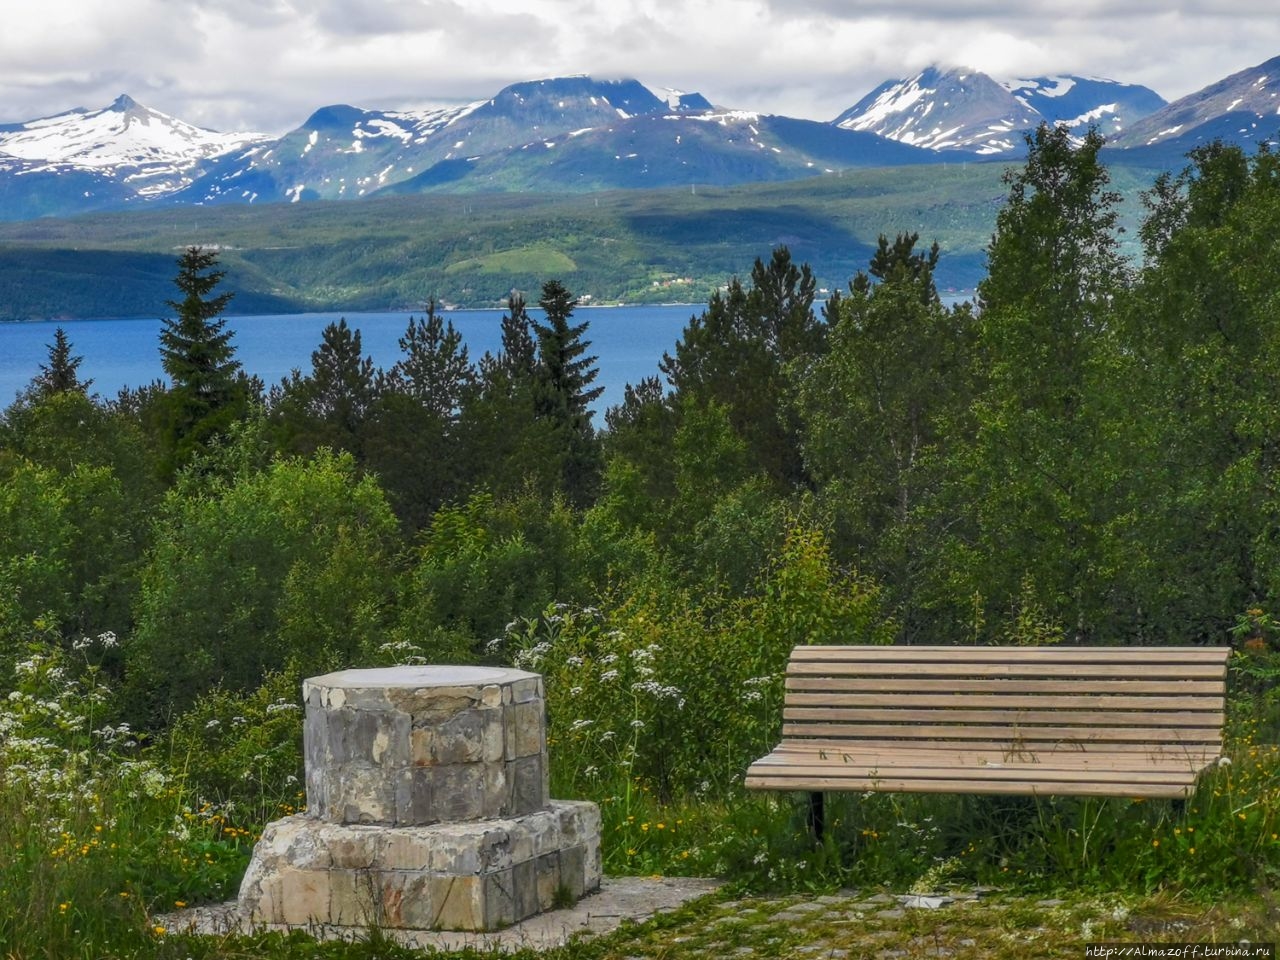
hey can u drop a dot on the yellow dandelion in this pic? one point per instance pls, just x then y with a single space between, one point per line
62 907
158 930
661 826
179 904
1192 851
1155 843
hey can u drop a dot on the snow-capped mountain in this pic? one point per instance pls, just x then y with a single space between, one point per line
1243 108
126 141
578 133
943 109
1083 102
345 152
967 110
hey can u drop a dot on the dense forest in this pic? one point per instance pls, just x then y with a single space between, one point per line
1087 454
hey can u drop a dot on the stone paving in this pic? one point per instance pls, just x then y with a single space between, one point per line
618 899
880 925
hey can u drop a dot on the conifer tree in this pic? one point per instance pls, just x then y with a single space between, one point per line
331 405
60 374
565 375
434 369
209 390
564 394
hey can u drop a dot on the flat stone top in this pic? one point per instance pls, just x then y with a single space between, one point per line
432 675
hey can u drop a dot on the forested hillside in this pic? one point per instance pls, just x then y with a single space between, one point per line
1088 456
385 254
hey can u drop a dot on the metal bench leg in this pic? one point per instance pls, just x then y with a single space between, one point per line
817 816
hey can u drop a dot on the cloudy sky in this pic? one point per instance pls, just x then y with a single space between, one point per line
264 65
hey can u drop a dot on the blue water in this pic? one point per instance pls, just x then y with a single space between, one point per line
627 341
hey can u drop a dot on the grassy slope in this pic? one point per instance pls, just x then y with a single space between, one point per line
394 252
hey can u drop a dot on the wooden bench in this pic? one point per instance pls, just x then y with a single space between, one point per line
1078 721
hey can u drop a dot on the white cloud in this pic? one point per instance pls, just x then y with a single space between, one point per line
265 64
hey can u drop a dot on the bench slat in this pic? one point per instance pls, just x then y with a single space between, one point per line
1182 671
916 713
1040 788
1006 702
1003 655
972 757
955 685
887 746
1029 734
1017 772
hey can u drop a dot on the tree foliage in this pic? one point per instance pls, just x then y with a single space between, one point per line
208 390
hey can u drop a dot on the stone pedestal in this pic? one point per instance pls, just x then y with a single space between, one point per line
427 807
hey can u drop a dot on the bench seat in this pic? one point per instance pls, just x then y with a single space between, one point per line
1075 721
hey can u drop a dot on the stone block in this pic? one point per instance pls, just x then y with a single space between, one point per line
303 897
353 898
406 901
527 785
498 899
362 795
573 869
497 790
524 889
548 876
356 848
458 903
457 791
524 729
527 689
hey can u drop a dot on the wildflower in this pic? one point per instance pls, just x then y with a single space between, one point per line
62 907
158 930
1155 843
1224 761
179 904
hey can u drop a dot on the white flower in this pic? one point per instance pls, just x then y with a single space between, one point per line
1224 761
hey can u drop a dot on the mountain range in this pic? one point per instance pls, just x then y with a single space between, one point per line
578 134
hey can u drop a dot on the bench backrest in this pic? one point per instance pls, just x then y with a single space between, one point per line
1162 699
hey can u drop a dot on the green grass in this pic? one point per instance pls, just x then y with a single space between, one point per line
537 259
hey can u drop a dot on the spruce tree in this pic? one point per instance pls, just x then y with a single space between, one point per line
60 374
564 394
208 388
565 375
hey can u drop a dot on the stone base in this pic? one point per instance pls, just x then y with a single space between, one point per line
479 875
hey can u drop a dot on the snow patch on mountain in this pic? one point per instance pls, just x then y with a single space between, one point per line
961 109
155 152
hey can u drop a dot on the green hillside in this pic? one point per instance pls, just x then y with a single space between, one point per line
395 252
